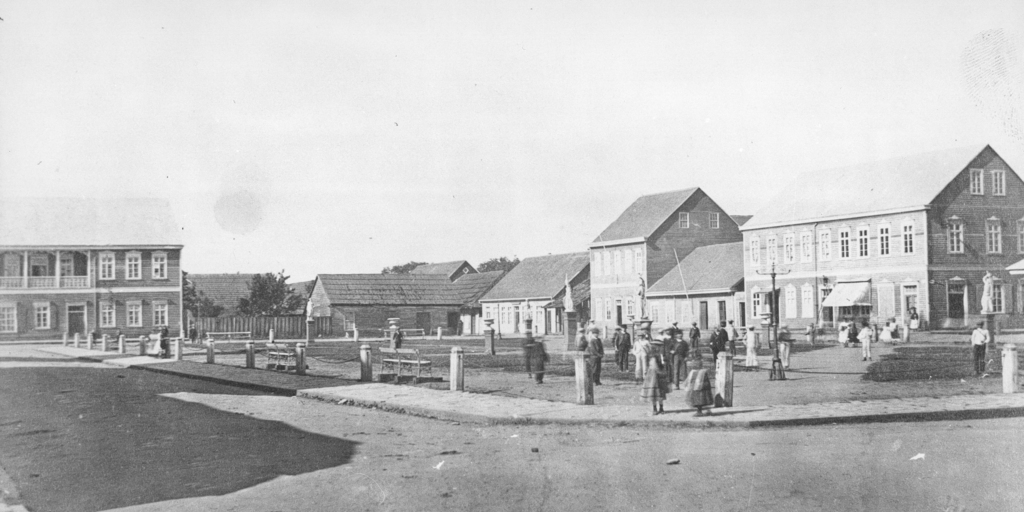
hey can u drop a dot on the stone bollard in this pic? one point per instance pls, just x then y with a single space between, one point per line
178 342
489 340
90 340
209 351
250 354
310 330
300 359
77 340
439 333
355 333
365 365
104 341
456 374
723 380
584 381
142 345
270 336
120 344
64 339
1010 378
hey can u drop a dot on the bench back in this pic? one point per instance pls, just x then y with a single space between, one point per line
277 346
407 351
389 351
241 335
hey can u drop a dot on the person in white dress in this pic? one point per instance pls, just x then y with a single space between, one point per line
751 342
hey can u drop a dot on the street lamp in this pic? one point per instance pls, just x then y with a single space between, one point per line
777 373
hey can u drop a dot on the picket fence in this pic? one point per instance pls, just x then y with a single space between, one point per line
285 327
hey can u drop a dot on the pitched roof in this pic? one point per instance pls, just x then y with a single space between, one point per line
447 268
538 277
473 286
707 268
580 295
645 215
300 288
741 219
887 185
391 289
87 222
223 289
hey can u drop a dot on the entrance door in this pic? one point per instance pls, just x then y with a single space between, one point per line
704 315
453 322
516 319
721 311
743 314
618 312
423 321
76 320
955 299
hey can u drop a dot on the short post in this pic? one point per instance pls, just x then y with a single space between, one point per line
439 333
64 339
990 326
209 350
300 359
569 329
104 342
90 340
489 336
604 332
250 354
584 381
456 375
77 340
120 344
310 330
723 380
1010 378
270 336
355 333
142 344
365 365
178 347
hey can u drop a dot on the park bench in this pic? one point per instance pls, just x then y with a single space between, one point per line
279 355
397 359
229 336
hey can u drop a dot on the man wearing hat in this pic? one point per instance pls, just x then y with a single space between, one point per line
694 337
679 351
979 340
595 349
623 344
718 341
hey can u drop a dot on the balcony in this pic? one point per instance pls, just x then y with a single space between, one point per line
12 282
74 281
44 282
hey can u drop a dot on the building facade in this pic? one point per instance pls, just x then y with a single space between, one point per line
535 290
706 287
921 240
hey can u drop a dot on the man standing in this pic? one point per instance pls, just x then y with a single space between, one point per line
622 348
718 341
785 342
595 349
865 336
680 351
642 350
694 336
733 335
979 340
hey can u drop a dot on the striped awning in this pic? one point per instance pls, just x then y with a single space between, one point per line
849 294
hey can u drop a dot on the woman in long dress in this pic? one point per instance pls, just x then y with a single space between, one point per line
751 342
656 386
697 391
538 356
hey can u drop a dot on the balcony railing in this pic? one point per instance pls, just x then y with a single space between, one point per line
74 281
44 282
12 282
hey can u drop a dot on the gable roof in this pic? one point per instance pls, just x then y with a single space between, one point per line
391 289
896 184
538 277
300 288
473 286
87 222
580 295
741 219
447 268
645 215
223 289
708 268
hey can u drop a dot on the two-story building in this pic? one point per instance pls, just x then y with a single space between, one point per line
74 266
649 239
879 241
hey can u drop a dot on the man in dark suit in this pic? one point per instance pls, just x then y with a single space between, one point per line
623 344
719 340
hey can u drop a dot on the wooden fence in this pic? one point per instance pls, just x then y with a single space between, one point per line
285 327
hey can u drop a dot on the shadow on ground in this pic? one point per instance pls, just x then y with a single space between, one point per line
931 363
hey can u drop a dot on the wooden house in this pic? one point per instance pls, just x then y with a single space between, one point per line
706 287
535 289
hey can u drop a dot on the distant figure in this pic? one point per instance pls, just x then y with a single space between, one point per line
809 334
865 336
595 348
785 343
539 356
915 320
656 382
886 334
751 342
396 338
165 342
733 334
641 351
979 341
622 349
719 339
679 352
695 339
844 334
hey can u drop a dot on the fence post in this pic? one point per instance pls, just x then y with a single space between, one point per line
209 350
439 333
1010 378
300 359
120 344
584 381
310 330
177 347
103 343
77 340
64 339
142 344
250 354
723 380
365 364
355 333
456 374
90 340
270 335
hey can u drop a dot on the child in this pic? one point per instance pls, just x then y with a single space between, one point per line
697 391
751 361
656 383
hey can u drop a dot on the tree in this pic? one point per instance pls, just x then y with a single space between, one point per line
503 264
207 308
189 299
270 295
402 269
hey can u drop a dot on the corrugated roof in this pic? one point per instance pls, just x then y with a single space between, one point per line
538 277
473 286
897 183
645 215
391 289
447 268
86 222
711 267
223 289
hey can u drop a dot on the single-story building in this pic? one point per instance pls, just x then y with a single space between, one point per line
535 289
705 287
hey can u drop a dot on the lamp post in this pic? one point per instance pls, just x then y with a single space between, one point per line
777 373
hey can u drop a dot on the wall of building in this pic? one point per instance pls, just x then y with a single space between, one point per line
58 307
685 311
504 315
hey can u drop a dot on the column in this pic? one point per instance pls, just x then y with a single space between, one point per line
56 271
24 277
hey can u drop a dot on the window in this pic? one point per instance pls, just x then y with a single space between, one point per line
825 245
606 257
639 267
1020 236
755 250
159 265
908 238
789 248
807 300
756 296
993 236
773 249
8 318
883 240
684 220
107 318
844 243
42 315
133 266
997 297
106 265
67 264
655 313
160 314
608 309
629 307
618 262
955 237
977 182
806 247
790 301
595 265
862 242
134 314
998 183
714 220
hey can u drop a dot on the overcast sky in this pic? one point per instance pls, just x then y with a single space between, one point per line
332 137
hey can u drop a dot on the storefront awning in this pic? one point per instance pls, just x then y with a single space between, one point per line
849 294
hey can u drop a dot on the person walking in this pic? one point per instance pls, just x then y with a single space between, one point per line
539 357
622 349
751 342
844 334
679 352
979 341
865 336
785 342
595 349
733 334
656 381
641 351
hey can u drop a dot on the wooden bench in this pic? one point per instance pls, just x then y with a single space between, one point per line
397 359
229 336
279 355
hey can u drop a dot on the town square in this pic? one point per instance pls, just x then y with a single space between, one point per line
458 256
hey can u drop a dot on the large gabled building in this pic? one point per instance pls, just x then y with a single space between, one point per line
878 240
648 240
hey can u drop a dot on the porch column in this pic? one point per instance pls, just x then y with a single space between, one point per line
24 277
88 268
57 270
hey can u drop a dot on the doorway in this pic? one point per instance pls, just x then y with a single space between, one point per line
721 311
955 299
453 323
618 312
704 315
515 326
76 320
743 314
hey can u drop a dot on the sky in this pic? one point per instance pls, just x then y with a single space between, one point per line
337 137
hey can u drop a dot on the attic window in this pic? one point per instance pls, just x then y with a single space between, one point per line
977 182
714 220
684 220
